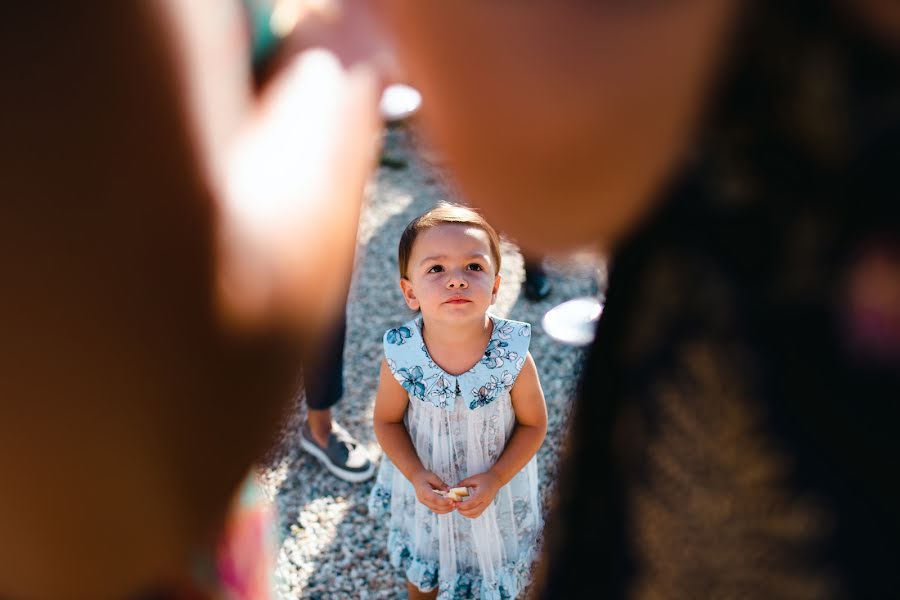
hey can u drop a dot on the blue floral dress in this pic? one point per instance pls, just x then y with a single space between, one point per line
459 425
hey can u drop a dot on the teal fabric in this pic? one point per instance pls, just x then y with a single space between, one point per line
263 39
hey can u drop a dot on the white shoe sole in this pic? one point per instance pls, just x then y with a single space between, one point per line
352 477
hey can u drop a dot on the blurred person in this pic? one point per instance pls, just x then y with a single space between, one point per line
736 434
329 443
162 229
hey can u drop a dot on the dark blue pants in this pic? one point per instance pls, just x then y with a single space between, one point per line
324 374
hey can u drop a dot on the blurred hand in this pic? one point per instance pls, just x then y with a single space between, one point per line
350 30
295 179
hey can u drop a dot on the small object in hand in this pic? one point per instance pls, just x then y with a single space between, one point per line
456 494
460 491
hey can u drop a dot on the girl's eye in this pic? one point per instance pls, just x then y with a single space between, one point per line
436 269
475 267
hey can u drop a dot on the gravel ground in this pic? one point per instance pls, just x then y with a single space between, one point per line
330 547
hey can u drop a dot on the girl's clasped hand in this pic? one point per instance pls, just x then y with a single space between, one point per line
435 494
486 486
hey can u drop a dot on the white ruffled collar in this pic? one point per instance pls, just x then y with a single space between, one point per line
412 366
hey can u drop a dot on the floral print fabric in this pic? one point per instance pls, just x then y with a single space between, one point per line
496 372
459 426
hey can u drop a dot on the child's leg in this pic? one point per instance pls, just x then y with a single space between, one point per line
415 594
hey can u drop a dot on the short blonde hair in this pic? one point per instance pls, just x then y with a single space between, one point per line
445 213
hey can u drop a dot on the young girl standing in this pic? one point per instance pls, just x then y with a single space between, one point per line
459 405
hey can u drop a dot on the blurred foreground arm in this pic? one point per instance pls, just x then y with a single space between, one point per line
289 167
130 409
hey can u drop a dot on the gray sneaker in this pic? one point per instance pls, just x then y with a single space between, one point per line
344 456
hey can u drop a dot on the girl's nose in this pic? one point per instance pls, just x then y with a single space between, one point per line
457 281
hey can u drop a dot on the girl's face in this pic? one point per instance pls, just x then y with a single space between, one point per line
451 275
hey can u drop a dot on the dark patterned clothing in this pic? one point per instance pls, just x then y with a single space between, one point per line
738 431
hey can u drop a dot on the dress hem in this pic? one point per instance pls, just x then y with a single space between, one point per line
469 583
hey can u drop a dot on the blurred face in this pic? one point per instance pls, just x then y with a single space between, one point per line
451 274
561 120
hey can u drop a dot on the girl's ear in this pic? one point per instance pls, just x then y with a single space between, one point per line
496 288
409 294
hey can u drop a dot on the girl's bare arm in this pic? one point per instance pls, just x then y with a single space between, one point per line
531 423
390 407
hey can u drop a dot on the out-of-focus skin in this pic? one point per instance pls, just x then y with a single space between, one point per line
139 169
561 119
289 169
